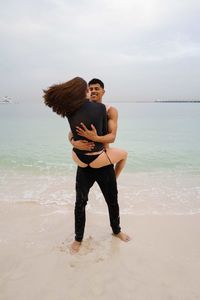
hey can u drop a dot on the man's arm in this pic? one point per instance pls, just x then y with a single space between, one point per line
80 144
112 129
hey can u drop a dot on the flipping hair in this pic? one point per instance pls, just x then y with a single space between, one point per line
66 98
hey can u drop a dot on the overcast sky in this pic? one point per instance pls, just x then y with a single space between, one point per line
142 50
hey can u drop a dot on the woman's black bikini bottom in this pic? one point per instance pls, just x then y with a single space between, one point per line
88 159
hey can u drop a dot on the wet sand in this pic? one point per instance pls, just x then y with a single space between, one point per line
162 261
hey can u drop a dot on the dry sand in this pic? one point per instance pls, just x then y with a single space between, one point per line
162 261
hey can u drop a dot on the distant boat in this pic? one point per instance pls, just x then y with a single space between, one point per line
5 100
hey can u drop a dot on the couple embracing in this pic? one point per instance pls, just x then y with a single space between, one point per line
93 126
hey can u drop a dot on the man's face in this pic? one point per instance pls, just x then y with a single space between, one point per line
96 92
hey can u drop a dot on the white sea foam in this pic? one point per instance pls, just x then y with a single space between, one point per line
139 193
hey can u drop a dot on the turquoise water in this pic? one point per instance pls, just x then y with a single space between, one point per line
163 136
157 137
162 140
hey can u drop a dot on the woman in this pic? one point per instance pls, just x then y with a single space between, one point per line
69 100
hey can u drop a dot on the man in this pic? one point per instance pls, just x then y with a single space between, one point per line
105 176
96 88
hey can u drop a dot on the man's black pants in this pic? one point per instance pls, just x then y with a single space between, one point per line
106 179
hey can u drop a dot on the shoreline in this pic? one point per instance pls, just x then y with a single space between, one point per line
139 194
162 260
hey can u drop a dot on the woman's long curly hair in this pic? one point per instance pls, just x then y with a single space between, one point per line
66 98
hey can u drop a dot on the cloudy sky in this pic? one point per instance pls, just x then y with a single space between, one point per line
142 49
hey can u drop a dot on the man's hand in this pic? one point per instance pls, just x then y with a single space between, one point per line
86 133
83 145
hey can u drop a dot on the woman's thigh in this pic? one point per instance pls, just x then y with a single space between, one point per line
114 154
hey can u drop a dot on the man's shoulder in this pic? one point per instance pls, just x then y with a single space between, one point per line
112 112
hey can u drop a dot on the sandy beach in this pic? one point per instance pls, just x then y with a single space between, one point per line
162 261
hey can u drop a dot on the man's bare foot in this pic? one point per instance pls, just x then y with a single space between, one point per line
123 236
75 246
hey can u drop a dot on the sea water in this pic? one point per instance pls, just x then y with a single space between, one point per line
162 174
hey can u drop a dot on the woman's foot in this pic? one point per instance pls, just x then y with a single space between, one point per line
123 236
75 246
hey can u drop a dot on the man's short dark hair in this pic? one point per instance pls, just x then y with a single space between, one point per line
96 81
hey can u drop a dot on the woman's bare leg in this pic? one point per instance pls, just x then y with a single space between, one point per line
120 165
116 156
